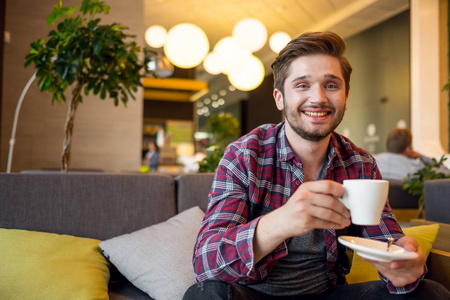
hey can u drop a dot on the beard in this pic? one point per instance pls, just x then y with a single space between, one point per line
293 117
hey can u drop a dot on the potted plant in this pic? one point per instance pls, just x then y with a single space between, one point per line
224 129
88 56
414 183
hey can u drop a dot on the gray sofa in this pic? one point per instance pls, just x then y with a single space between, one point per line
103 206
98 206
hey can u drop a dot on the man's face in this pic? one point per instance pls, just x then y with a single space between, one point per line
314 99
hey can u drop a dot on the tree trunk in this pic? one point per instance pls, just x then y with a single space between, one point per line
65 157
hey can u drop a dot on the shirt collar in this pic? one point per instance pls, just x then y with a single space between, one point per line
285 152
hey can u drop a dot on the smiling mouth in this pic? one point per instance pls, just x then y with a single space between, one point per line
316 114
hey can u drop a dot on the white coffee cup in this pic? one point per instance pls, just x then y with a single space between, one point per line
365 198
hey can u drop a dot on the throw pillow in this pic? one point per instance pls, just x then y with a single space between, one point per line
39 265
363 271
158 259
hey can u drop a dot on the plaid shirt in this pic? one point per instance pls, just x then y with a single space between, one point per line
257 174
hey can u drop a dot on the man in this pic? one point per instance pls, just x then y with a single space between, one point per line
270 231
400 158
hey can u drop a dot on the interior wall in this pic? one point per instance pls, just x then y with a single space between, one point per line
261 108
379 95
427 99
444 74
105 136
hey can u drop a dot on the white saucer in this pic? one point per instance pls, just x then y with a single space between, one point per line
376 250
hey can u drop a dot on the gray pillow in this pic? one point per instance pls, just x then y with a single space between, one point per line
158 259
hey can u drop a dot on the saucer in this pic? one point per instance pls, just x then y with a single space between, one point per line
376 250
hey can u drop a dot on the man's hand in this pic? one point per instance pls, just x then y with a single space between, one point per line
403 272
313 205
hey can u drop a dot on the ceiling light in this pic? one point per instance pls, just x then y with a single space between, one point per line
160 65
278 41
186 46
155 36
250 33
213 64
231 53
250 76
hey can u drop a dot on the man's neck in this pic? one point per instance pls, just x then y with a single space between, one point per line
311 154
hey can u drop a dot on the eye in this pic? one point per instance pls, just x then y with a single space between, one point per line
331 86
302 86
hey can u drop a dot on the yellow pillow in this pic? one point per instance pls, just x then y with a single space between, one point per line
38 265
362 271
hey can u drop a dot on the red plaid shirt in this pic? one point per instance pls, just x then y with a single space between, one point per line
257 174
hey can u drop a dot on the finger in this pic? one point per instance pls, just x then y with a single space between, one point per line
331 203
326 224
328 187
408 243
330 213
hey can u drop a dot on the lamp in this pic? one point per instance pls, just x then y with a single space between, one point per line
155 36
213 64
278 41
249 76
12 140
231 53
160 65
186 45
250 33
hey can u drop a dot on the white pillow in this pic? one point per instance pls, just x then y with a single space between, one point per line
158 259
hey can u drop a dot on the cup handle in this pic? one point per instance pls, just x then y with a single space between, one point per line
344 200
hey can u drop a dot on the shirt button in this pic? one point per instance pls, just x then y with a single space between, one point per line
297 182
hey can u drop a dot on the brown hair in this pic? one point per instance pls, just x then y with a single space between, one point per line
398 140
328 43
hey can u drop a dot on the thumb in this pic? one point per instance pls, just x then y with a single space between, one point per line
408 243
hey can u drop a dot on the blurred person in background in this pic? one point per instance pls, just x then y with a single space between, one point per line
400 158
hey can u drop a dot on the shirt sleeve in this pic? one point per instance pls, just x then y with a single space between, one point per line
389 227
224 247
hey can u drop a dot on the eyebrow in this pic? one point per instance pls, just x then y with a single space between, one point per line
328 75
333 77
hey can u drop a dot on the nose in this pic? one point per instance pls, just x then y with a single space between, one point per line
317 94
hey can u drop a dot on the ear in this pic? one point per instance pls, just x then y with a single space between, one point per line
407 151
278 96
346 98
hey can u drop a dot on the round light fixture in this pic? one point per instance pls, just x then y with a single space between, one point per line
231 53
250 33
278 41
155 36
186 46
213 63
250 76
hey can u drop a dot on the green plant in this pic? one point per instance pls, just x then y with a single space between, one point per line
87 56
224 129
414 183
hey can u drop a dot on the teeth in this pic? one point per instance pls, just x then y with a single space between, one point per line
315 114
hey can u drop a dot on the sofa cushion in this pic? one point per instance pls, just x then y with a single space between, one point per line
363 271
51 266
158 259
